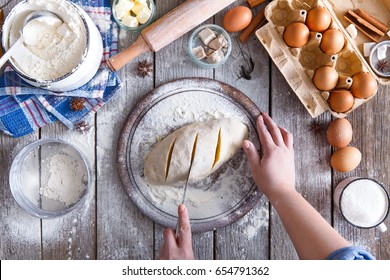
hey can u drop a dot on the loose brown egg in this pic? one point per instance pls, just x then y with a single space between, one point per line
346 159
296 34
318 19
332 41
325 78
364 85
341 101
237 19
339 133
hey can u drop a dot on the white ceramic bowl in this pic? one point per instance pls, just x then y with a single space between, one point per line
50 178
79 75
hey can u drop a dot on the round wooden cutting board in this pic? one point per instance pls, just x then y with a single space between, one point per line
220 199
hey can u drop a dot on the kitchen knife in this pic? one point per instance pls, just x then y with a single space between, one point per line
184 196
168 28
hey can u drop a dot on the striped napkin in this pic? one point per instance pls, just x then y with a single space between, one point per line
24 109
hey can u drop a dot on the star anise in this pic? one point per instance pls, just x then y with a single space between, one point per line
144 68
382 64
316 127
82 127
77 104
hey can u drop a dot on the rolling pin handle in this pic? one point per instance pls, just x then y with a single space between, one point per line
121 59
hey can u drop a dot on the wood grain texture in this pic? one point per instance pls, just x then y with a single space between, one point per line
109 226
248 238
312 153
123 231
370 125
173 62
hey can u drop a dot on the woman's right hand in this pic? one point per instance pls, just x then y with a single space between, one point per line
274 172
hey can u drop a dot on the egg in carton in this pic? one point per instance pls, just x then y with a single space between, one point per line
322 74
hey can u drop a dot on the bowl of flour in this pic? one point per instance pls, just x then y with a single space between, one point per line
363 202
50 178
58 55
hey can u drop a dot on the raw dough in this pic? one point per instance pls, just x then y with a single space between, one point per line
216 142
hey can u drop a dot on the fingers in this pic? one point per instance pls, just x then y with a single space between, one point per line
264 135
287 137
270 134
252 154
273 129
185 236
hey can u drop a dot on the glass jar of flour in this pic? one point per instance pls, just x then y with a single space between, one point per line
58 55
363 202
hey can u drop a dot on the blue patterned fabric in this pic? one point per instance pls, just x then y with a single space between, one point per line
24 109
351 253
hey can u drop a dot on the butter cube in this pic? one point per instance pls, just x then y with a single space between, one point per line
199 52
218 43
138 7
207 35
144 15
215 57
130 21
123 8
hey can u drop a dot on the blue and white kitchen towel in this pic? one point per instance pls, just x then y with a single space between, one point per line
24 109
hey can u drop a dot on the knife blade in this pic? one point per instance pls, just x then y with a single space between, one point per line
184 196
187 180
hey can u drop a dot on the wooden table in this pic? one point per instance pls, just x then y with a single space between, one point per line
109 226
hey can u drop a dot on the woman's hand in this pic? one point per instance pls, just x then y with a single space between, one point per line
274 172
179 248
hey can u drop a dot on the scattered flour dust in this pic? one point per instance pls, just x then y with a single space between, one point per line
220 193
66 179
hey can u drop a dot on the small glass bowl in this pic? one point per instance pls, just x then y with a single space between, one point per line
49 178
195 41
139 28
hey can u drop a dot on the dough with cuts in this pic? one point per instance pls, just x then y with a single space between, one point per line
209 144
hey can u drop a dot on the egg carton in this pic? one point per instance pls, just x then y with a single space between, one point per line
299 64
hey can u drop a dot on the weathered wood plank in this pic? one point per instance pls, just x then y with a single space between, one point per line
73 235
173 62
248 238
20 233
123 232
313 174
370 124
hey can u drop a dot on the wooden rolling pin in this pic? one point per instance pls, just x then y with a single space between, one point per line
168 28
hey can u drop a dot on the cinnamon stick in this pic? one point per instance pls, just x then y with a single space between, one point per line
254 3
366 28
366 23
372 20
255 24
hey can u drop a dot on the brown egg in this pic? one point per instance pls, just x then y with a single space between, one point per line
346 159
296 34
332 41
364 85
341 101
325 78
237 19
339 133
318 19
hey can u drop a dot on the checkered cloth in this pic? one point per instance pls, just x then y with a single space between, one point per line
24 109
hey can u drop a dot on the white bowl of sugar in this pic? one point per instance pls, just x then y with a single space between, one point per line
363 202
50 178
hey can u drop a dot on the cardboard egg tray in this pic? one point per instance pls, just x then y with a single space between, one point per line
299 64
